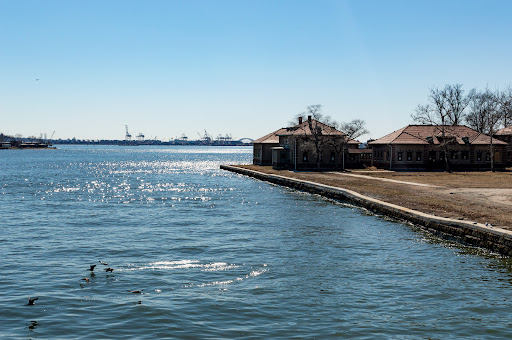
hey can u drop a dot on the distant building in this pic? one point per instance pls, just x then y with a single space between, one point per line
421 147
505 135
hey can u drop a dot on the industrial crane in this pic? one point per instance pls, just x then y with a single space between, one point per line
128 136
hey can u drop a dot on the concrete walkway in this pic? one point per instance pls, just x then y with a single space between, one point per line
386 179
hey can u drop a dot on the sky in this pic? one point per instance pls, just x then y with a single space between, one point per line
167 68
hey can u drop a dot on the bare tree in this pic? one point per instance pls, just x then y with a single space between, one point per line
313 129
351 130
446 107
479 106
456 103
506 106
321 131
486 115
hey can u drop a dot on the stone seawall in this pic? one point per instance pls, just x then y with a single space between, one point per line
465 232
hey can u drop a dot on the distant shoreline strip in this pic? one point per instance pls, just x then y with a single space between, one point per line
464 232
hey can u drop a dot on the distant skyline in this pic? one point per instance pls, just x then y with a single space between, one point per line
85 69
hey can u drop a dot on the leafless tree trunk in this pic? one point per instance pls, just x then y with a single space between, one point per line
506 106
486 115
495 118
313 116
456 103
351 130
436 115
476 118
446 107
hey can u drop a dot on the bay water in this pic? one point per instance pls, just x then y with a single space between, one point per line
217 255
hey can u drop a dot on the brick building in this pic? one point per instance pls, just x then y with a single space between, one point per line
422 147
505 135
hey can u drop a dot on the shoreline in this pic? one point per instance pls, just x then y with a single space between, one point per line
29 148
465 232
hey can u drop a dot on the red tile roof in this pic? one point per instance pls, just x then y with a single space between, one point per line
419 134
301 130
271 138
304 129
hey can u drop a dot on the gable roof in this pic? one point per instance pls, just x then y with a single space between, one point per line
505 131
304 129
271 138
419 135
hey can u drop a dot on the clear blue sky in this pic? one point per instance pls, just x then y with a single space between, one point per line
243 67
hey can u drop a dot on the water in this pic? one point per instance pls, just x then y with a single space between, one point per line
218 255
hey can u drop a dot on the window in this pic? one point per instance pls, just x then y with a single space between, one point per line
464 155
479 156
305 156
363 156
441 156
352 157
432 156
370 155
418 156
332 156
487 156
399 156
387 155
409 156
454 155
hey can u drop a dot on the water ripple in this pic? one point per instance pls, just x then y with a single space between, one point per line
218 255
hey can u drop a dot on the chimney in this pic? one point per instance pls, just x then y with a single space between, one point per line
309 118
300 120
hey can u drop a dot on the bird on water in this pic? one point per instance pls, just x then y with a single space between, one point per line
109 270
92 267
86 279
31 301
103 263
136 291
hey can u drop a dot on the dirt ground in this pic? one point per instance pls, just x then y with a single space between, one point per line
484 197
